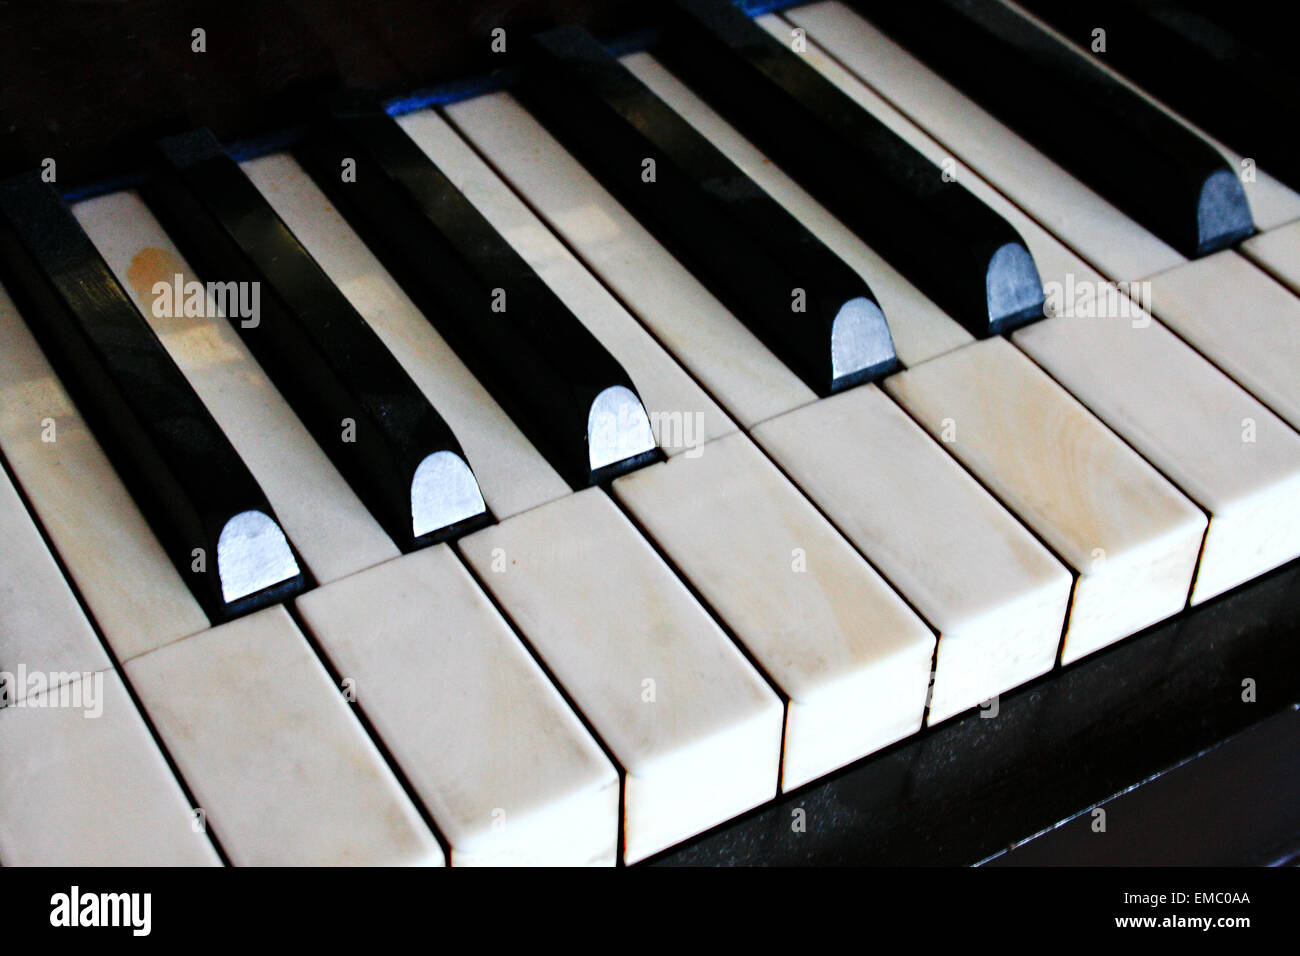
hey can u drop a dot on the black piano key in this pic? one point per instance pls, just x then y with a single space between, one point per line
568 395
1196 66
378 428
206 508
810 308
1140 159
950 245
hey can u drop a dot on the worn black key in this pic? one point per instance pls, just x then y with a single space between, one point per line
950 245
806 305
382 434
1110 137
570 397
1195 66
206 509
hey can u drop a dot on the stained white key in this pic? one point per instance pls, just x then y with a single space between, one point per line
85 785
331 528
283 772
921 330
851 658
682 415
42 628
695 729
1243 320
748 381
996 596
508 773
88 514
1232 456
1130 536
512 474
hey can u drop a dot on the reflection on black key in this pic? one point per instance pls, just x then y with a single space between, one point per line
1196 66
363 409
1142 160
810 308
550 374
952 247
205 507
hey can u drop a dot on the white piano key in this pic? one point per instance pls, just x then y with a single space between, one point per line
1225 450
130 586
284 773
42 628
852 659
85 790
512 474
1242 319
927 331
1278 251
1130 536
731 363
508 773
323 517
694 727
682 415
996 596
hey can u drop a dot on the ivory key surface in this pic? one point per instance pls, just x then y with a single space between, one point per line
1131 537
284 773
696 730
851 658
996 596
508 773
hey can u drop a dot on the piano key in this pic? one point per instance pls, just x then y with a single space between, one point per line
512 474
996 596
1165 176
1227 452
55 458
1191 63
380 431
1261 360
920 329
695 730
42 627
329 525
681 413
82 790
796 295
960 253
720 352
508 773
851 659
1242 319
282 771
567 393
207 510
1278 252
1130 536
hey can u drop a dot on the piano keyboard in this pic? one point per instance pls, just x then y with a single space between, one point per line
550 476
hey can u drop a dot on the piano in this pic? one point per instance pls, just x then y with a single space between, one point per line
690 433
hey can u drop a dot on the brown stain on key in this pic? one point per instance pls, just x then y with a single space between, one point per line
195 342
150 266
